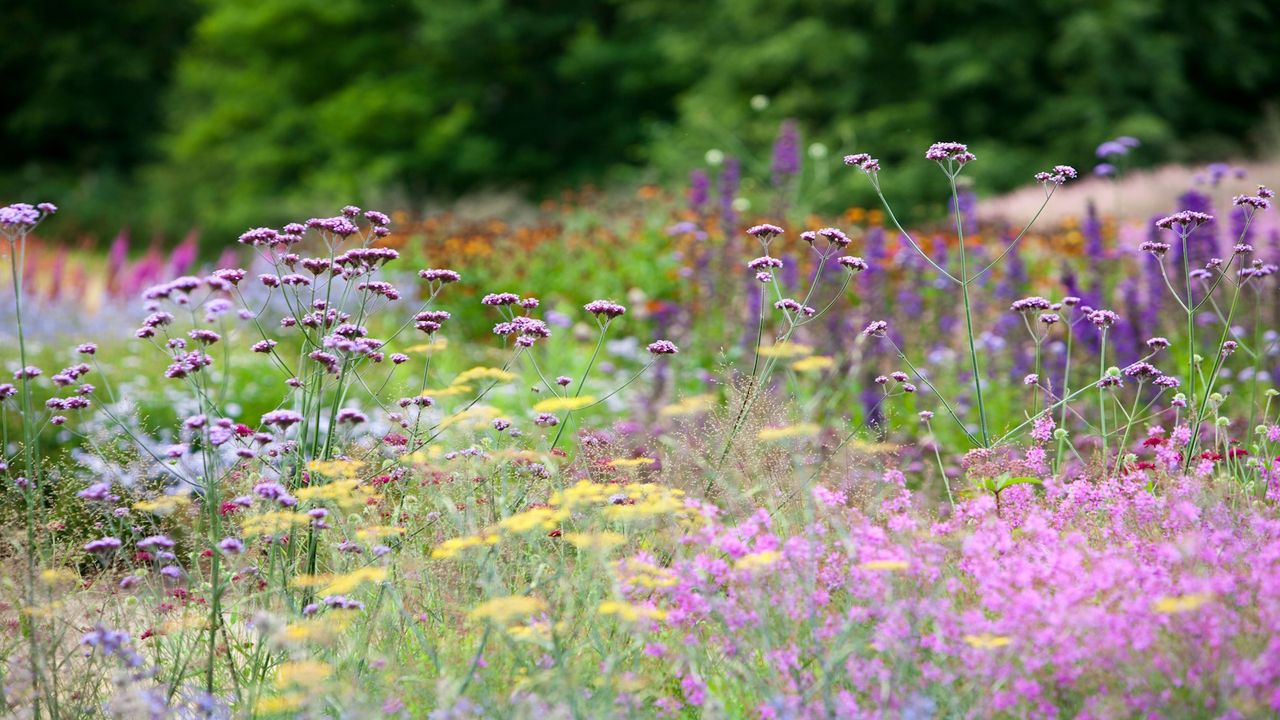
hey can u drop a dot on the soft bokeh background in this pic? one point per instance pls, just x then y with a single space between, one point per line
171 115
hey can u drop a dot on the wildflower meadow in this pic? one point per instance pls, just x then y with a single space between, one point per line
661 453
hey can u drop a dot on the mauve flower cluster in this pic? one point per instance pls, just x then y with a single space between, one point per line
1090 600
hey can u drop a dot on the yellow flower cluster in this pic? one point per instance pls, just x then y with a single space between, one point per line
271 523
630 613
451 547
533 519
786 350
758 560
474 417
884 565
484 373
504 610
304 673
379 532
553 405
646 575
631 462
336 468
342 584
603 541
163 505
448 391
1173 604
816 363
347 494
436 345
691 405
987 641
650 500
788 431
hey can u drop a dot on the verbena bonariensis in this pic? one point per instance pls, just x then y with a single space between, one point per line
467 563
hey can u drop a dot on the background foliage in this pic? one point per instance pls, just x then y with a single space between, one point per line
230 113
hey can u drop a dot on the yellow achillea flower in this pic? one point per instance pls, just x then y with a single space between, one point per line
1172 604
987 641
583 493
336 468
378 532
649 500
533 519
815 363
305 673
504 610
758 560
647 575
163 505
280 704
342 584
552 405
884 565
629 612
631 462
341 492
534 632
789 431
606 540
448 391
271 523
786 350
451 547
691 405
484 373
475 416
317 630
873 448
439 343
58 576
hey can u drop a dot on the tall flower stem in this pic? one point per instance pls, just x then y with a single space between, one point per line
968 314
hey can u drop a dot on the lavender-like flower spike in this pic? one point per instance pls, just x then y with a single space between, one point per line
663 347
879 329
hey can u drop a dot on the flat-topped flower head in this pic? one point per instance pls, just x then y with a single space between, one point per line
765 231
864 162
789 305
22 217
1155 247
439 275
1050 319
499 299
834 236
763 262
1057 176
1184 222
853 263
663 347
281 418
1260 201
605 308
878 328
1031 304
1103 318
1141 371
258 237
950 151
